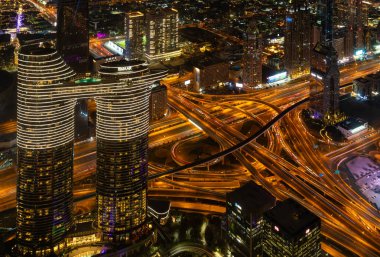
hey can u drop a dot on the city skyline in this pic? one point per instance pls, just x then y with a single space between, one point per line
166 128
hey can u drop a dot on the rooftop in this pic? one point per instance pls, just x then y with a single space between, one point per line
352 123
123 63
322 49
291 218
35 50
252 199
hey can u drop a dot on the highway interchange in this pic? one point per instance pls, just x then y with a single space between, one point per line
348 219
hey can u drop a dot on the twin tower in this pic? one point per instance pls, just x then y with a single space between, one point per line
47 94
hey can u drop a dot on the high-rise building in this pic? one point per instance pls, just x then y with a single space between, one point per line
252 59
122 165
245 208
162 34
158 106
45 135
324 93
291 230
72 33
73 46
45 153
134 27
297 39
152 34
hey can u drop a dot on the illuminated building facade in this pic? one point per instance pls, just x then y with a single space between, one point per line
162 34
291 230
297 43
45 135
244 223
134 27
252 62
152 34
324 93
72 33
45 153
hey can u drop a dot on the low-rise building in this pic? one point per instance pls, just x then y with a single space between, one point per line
352 127
362 88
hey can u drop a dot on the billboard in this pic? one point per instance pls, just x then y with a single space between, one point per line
277 77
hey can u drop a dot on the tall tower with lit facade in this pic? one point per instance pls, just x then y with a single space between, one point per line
72 33
252 62
324 92
47 94
162 34
134 27
45 153
297 39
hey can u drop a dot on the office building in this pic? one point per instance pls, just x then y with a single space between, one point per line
297 37
158 106
245 208
152 34
45 135
252 60
291 230
324 94
362 88
72 33
210 73
134 27
161 34
375 83
368 87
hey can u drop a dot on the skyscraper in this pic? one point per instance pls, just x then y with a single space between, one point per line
45 153
122 164
73 46
47 95
244 217
252 62
72 33
297 39
291 230
325 70
134 27
162 34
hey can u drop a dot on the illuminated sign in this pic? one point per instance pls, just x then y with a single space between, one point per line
124 68
277 77
289 19
239 85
